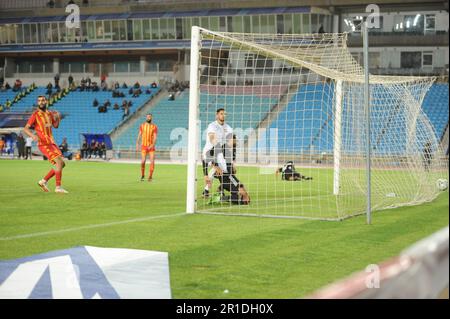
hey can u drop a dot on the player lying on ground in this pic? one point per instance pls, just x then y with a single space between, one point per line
42 121
230 183
149 133
222 168
288 173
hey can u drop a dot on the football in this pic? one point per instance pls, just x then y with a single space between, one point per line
442 184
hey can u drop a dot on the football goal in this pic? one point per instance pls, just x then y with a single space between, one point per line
297 135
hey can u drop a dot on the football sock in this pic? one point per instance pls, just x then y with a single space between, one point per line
49 175
142 169
58 178
152 168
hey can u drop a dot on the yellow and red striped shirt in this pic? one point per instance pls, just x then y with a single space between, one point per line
42 121
148 132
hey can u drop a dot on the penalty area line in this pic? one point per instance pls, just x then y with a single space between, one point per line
66 230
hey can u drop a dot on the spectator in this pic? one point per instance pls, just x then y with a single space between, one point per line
9 149
28 145
7 86
56 78
97 147
17 85
130 91
116 85
73 87
70 80
321 30
95 103
107 103
102 109
84 149
104 86
124 104
88 82
129 104
102 150
137 85
64 147
95 87
2 144
172 97
20 142
148 91
93 148
116 106
49 89
154 85
82 86
103 79
136 93
126 112
124 85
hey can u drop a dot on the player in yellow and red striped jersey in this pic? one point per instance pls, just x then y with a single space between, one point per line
42 121
148 132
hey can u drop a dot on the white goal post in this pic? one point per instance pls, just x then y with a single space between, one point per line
300 98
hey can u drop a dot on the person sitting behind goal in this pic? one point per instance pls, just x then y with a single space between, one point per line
288 173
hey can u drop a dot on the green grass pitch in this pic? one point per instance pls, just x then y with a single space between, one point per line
250 257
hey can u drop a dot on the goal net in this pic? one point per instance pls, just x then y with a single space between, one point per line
300 99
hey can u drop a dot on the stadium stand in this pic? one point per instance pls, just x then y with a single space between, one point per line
81 117
169 115
435 106
79 114
306 117
6 95
26 103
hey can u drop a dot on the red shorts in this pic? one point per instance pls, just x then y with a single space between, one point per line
51 151
145 150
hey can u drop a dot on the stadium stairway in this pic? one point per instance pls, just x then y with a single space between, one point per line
125 129
26 103
272 114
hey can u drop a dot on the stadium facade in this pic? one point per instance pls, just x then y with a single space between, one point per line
150 39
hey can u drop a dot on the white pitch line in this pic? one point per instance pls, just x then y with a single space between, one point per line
53 232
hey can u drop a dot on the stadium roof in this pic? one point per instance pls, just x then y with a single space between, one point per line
167 14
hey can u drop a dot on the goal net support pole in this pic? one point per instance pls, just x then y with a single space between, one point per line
194 93
337 135
367 109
